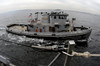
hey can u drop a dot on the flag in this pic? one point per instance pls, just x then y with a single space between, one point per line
30 15
73 19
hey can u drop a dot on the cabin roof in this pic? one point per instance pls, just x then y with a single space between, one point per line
58 15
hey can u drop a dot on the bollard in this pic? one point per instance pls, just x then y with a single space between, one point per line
71 45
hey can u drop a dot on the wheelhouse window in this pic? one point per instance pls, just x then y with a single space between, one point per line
66 25
54 17
59 17
62 17
57 26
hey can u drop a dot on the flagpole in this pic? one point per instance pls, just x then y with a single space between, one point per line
31 16
37 15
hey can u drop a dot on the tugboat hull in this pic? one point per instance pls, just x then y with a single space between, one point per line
74 35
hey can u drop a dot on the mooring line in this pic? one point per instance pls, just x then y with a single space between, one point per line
67 53
84 54
65 60
54 59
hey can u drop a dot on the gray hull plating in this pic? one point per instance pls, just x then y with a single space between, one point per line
74 35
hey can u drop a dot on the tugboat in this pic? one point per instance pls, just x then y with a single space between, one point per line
54 26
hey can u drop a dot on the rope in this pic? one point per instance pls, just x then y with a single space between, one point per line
84 54
67 53
65 60
95 54
54 59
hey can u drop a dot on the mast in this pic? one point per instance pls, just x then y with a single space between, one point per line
37 15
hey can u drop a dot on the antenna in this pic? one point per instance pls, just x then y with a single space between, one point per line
30 16
37 14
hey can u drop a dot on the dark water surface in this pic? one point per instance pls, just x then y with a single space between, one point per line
25 56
